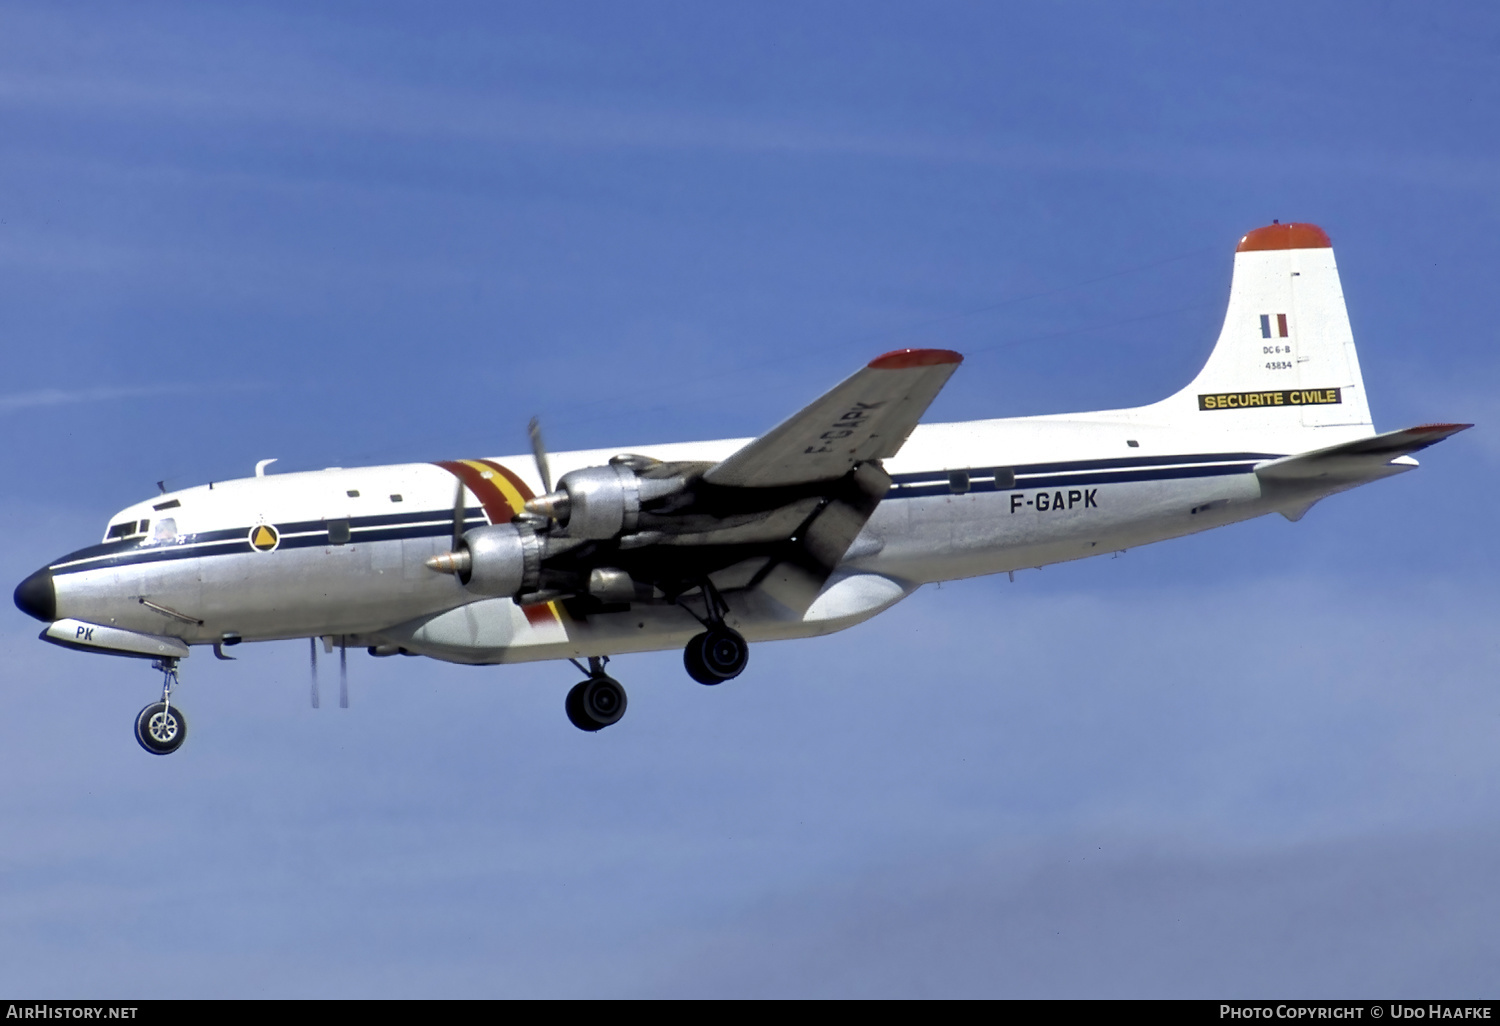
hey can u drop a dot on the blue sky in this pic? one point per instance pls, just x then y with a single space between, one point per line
1259 761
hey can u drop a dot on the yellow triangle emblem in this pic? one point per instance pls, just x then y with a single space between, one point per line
264 539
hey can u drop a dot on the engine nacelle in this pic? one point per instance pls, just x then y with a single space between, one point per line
603 502
503 560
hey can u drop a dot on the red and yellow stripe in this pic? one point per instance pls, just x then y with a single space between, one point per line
502 495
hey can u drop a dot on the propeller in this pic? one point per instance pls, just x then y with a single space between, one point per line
312 652
456 560
459 515
539 453
549 504
343 671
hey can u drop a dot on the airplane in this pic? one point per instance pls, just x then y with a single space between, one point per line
832 516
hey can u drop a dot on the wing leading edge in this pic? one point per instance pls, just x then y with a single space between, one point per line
866 417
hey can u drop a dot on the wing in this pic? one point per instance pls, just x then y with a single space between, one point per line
867 417
778 515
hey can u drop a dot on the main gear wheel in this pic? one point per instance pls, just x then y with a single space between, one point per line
595 703
718 654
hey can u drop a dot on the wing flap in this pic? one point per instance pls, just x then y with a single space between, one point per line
866 417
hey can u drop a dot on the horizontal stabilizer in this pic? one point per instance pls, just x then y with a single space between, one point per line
866 417
1365 459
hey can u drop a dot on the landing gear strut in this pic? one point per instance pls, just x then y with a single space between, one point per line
161 728
597 702
719 653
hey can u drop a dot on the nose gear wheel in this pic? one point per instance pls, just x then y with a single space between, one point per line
160 728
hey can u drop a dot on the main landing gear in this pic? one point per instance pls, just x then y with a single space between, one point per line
712 657
719 653
597 702
161 728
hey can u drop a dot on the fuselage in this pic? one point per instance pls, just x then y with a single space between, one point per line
341 552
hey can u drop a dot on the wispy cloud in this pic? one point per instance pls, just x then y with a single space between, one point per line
313 98
16 402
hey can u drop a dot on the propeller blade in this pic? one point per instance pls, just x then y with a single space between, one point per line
343 673
312 651
539 453
458 517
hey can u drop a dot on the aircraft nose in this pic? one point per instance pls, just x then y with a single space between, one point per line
36 596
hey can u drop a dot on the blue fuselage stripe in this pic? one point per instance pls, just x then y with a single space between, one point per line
928 486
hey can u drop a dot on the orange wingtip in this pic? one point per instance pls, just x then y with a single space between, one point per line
901 359
1285 236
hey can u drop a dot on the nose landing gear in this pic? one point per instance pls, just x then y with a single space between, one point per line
161 728
598 702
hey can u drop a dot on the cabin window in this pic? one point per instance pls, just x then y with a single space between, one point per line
1132 443
338 532
353 493
958 481
1005 478
165 533
396 497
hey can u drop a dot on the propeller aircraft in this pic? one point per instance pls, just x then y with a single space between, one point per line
829 518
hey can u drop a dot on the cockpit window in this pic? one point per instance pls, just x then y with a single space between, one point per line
124 529
165 533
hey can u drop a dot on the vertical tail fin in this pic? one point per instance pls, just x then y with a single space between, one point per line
1285 357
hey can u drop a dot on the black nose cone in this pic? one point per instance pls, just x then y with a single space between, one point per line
36 597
